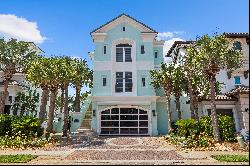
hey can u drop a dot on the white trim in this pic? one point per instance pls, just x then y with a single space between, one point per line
122 21
123 66
99 37
148 37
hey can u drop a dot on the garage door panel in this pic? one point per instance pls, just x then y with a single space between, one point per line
124 121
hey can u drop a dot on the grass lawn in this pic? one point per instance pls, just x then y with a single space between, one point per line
231 158
20 158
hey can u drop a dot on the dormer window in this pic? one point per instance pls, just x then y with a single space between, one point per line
123 53
237 45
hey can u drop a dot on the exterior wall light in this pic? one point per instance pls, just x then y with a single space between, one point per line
153 111
247 110
94 112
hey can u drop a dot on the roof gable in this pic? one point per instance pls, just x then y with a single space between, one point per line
123 18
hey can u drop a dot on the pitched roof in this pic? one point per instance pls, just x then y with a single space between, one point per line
236 35
241 89
218 98
177 43
123 14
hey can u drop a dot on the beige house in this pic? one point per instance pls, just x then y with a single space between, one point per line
234 97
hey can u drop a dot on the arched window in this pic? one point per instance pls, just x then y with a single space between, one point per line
123 53
237 45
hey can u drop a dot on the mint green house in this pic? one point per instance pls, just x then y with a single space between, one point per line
123 100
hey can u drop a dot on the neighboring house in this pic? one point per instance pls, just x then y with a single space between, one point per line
123 100
17 84
234 100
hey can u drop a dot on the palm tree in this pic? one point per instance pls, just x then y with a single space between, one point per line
53 70
179 82
214 53
37 74
66 75
163 78
82 76
13 58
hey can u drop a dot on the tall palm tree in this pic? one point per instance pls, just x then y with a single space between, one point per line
53 70
37 74
82 76
13 58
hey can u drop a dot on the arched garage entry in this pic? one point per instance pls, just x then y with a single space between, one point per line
124 121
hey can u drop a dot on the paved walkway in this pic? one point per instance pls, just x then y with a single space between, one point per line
118 151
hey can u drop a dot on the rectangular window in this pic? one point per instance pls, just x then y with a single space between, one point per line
123 28
143 81
119 82
104 49
123 53
237 80
128 82
123 84
142 49
156 54
104 81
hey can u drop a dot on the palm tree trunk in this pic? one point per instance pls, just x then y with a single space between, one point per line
66 112
178 106
3 96
77 100
216 131
44 99
51 111
191 98
62 99
169 115
195 106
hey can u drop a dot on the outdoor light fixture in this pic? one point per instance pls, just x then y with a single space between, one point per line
94 113
153 111
246 109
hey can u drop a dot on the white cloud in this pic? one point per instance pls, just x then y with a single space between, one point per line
20 28
167 35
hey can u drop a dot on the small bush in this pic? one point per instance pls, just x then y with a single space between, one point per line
205 125
187 128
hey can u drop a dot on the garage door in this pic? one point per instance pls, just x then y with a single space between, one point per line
124 121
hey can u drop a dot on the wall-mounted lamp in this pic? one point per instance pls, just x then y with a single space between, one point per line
153 111
246 109
94 112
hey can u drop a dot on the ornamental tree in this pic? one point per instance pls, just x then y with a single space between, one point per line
14 56
215 53
163 78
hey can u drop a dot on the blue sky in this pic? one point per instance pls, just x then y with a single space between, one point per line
62 27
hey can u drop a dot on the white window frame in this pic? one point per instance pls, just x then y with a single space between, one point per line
123 54
123 81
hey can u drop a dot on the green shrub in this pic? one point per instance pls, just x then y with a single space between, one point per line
187 128
205 125
227 128
21 126
225 123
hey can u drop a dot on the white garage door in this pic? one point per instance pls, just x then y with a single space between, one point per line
124 121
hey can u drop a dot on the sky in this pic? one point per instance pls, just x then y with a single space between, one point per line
62 27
